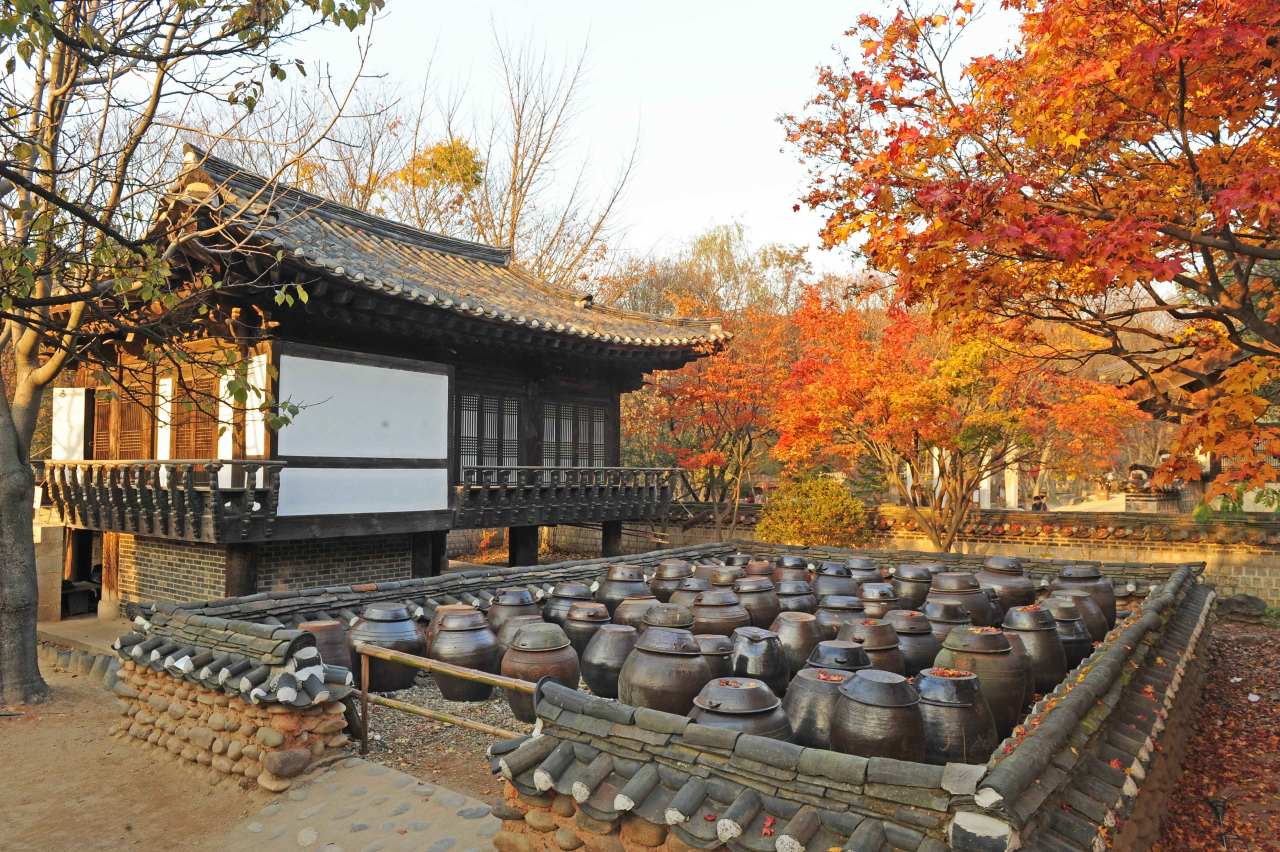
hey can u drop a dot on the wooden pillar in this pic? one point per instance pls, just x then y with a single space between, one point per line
611 538
522 545
429 553
242 570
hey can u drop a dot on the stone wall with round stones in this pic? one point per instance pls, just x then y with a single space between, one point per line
268 744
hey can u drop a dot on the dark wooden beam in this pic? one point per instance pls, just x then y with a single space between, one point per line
241 570
522 546
611 538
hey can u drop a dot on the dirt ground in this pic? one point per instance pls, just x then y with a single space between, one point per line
66 786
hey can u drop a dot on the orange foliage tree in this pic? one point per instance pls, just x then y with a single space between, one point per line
1117 172
938 416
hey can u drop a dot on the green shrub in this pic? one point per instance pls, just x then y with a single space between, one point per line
812 512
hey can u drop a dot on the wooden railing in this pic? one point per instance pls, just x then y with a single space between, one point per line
537 496
169 498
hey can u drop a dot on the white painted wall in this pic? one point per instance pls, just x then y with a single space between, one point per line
332 491
68 423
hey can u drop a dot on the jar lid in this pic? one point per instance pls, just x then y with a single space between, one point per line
877 592
738 559
977 640
832 569
1032 617
758 568
540 637
668 615
839 654
630 573
793 587
468 619
880 689
693 584
1073 595
588 611
736 696
908 621
946 610
753 584
934 567
726 576
1080 572
788 560
714 645
673 569
717 597
955 581
572 591
874 634
792 615
840 602
513 596
861 563
1004 564
384 612
822 678
753 634
948 687
1063 609
914 574
669 640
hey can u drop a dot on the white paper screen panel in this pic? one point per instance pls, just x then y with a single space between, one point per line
331 491
68 423
357 410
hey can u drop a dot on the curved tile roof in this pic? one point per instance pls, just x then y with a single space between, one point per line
379 255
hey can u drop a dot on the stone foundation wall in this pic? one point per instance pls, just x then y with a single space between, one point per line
157 569
177 720
311 563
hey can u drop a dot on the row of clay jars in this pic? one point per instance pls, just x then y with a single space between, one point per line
1087 578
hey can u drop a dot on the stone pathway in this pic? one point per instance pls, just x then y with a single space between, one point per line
363 807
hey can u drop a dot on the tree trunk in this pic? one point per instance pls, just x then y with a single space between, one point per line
20 680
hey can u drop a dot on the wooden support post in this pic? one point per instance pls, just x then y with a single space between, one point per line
242 570
420 559
77 554
364 704
611 538
522 546
439 552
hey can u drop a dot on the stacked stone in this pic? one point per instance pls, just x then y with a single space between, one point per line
269 743
553 822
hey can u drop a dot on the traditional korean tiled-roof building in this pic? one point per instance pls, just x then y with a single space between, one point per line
448 388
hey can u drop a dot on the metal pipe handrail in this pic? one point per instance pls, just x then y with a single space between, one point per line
459 672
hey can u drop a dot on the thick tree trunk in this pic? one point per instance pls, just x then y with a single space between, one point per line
20 680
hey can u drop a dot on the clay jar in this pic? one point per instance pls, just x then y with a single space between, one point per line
811 702
832 578
507 634
688 590
331 642
799 633
584 619
719 612
563 596
704 568
433 626
864 570
717 651
795 596
509 601
539 650
961 586
791 569
757 597
997 611
877 599
724 578
741 704
667 615
1038 630
834 610
915 639
465 640
911 584
604 656
632 609
1028 670
758 568
1088 578
387 626
839 655
1005 575
987 653
757 653
878 715
664 671
1089 612
944 616
878 639
958 725
1076 639
739 559
667 577
621 582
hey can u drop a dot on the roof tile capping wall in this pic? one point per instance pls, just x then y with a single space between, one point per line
1067 780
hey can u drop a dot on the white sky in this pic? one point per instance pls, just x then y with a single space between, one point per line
702 83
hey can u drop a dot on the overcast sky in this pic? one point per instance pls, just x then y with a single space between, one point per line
702 83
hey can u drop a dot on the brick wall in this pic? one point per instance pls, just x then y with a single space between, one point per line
315 562
155 569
